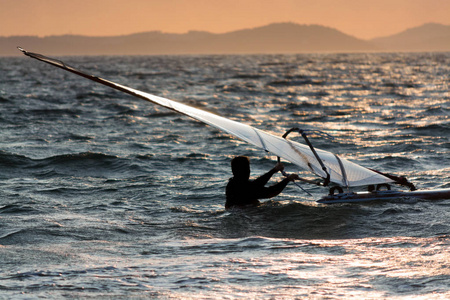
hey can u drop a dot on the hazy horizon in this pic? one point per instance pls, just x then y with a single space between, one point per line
361 19
206 31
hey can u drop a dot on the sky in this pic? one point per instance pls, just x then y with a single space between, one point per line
363 19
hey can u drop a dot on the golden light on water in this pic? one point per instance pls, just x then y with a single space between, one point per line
342 261
368 268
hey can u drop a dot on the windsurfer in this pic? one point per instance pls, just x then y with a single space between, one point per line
241 191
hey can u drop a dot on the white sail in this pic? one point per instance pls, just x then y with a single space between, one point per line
297 153
342 171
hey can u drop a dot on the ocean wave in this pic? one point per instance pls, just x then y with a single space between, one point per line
293 82
89 95
18 209
13 160
247 76
50 113
431 129
77 164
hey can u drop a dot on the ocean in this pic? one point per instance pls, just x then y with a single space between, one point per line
107 196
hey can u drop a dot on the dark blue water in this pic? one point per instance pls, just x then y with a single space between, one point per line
104 195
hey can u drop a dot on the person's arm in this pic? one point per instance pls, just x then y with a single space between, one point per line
276 189
263 179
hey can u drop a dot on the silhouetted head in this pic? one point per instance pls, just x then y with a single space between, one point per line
240 166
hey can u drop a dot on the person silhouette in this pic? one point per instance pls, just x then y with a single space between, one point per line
242 192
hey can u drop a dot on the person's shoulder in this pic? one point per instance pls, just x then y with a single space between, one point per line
231 182
236 183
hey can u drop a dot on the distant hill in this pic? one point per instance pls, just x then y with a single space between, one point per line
285 38
428 37
274 38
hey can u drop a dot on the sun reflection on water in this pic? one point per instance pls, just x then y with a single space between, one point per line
367 268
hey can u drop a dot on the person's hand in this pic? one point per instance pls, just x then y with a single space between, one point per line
278 167
293 177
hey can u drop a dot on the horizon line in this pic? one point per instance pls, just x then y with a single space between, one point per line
218 33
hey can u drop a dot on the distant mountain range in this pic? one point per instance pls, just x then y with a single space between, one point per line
273 38
428 37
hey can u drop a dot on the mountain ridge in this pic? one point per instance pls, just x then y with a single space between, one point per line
428 37
280 38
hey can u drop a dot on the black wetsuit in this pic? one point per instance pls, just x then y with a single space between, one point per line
244 192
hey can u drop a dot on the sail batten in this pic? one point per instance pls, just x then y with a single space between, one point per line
342 171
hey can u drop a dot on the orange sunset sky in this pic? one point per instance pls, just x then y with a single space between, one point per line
360 18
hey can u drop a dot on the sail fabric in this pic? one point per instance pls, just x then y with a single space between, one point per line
297 153
342 172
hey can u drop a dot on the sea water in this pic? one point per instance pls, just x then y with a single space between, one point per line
107 196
